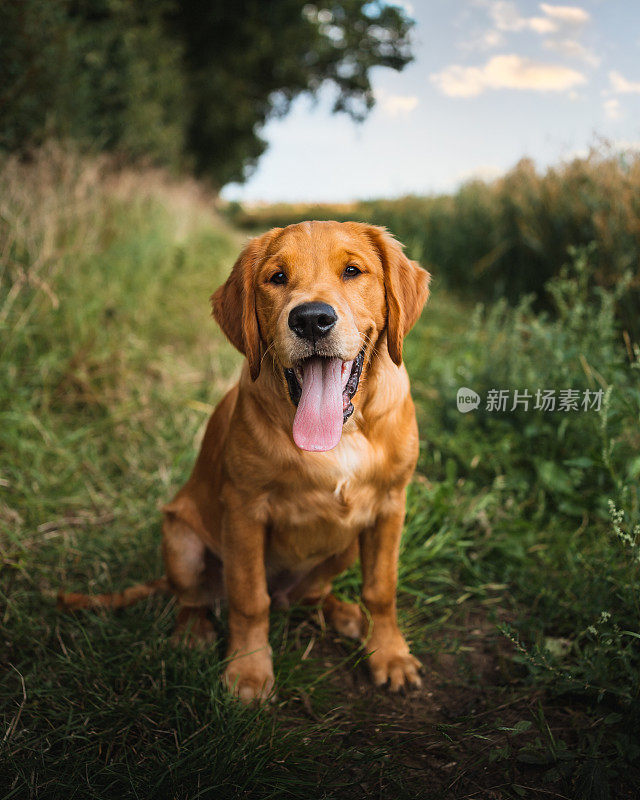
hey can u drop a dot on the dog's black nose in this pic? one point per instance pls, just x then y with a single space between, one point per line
312 320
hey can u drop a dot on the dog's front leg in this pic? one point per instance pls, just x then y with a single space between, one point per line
389 659
249 674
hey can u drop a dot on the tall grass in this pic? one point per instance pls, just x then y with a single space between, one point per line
95 285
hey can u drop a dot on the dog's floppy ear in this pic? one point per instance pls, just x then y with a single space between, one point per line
406 285
234 303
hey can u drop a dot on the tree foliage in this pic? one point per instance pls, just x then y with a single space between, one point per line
186 83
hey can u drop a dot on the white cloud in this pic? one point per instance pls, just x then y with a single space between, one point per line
395 105
568 15
492 39
506 17
458 81
541 24
573 49
505 72
485 40
554 21
621 85
612 109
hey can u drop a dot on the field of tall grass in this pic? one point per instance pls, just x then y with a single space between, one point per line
519 572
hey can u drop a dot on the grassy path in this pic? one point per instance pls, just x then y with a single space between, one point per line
109 366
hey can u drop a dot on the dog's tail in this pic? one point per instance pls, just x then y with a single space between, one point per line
70 601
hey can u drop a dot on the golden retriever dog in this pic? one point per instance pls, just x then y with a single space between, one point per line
305 461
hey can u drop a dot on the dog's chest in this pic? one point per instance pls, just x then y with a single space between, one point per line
318 517
348 469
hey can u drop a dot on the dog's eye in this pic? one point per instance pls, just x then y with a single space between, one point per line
350 271
278 278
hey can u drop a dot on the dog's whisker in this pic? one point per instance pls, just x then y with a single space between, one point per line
270 347
274 368
368 340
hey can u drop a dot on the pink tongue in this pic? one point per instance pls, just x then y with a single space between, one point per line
318 421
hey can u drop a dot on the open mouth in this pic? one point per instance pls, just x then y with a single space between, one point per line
322 388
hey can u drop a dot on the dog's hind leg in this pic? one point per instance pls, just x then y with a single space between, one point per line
346 618
194 575
315 589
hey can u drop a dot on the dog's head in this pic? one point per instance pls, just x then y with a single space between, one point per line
319 296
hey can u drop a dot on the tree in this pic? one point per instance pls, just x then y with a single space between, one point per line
265 55
188 83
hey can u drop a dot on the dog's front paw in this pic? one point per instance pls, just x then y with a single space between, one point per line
250 677
396 665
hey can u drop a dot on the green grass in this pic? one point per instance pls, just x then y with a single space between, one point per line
109 366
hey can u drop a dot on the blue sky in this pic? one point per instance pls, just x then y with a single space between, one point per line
493 81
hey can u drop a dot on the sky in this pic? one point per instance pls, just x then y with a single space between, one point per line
493 81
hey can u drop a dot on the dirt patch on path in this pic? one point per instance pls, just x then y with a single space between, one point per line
474 730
